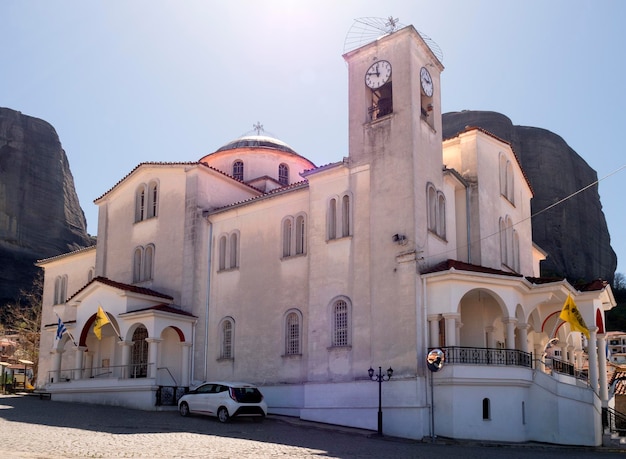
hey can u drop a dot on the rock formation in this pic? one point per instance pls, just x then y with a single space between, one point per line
40 215
574 234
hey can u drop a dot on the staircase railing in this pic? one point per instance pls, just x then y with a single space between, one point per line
614 421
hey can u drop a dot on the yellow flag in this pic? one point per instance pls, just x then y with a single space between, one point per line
101 321
571 315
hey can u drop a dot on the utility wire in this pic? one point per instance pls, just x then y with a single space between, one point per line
536 213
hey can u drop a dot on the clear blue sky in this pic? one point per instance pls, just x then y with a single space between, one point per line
125 82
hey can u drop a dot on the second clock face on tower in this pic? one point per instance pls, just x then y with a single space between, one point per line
378 74
426 81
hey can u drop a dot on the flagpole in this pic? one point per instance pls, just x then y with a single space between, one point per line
67 331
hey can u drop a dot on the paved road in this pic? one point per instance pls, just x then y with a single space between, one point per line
40 429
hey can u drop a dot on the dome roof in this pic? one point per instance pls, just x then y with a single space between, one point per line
261 141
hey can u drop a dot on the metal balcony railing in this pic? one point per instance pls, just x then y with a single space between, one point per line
486 356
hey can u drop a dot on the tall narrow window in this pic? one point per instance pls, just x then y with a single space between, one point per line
300 235
222 253
137 264
432 208
341 322
148 262
503 253
140 204
332 219
227 339
441 215
238 170
292 334
139 353
486 409
345 215
153 199
507 186
60 289
287 237
283 174
234 249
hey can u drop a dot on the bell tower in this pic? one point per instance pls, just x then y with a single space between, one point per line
395 128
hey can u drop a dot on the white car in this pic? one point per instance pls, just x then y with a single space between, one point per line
225 400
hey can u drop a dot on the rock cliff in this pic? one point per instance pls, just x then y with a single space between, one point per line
40 215
574 234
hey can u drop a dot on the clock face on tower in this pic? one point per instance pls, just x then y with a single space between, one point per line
378 74
426 81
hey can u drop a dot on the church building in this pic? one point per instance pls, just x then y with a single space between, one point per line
254 264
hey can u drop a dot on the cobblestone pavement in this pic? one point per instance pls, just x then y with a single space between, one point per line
41 429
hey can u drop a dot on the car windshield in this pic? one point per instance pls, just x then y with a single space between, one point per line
246 394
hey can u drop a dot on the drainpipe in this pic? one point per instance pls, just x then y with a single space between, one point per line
208 297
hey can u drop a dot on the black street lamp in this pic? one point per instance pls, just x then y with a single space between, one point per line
380 377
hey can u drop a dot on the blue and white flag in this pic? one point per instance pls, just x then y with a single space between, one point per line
60 329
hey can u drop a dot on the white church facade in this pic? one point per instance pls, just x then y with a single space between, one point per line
254 264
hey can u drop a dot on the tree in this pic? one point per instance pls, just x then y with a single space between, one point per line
24 320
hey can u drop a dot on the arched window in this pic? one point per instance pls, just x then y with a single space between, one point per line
287 237
153 199
143 263
507 187
238 170
222 253
441 215
341 323
146 201
137 264
300 235
332 219
293 235
140 203
148 262
60 289
503 253
432 208
139 353
228 251
234 250
516 262
503 162
293 334
283 174
345 215
227 338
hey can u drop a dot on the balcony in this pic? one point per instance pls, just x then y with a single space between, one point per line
487 356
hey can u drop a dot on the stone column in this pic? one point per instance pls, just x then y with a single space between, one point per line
55 374
451 329
571 355
523 336
433 325
592 352
491 339
126 347
457 335
510 332
153 356
89 364
186 350
78 362
604 388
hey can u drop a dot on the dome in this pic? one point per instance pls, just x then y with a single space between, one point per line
261 141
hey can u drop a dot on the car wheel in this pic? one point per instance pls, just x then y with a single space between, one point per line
222 414
183 409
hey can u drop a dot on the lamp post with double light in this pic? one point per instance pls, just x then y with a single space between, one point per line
380 377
